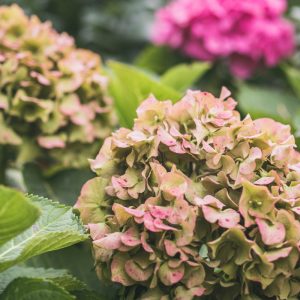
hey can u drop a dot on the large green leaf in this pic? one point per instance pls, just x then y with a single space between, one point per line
35 289
183 76
63 186
56 228
16 213
267 102
59 276
129 86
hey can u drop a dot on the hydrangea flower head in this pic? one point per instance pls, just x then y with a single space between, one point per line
53 97
247 33
196 201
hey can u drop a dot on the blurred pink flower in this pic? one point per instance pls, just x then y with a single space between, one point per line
248 33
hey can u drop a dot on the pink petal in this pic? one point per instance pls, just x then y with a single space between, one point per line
145 244
295 167
170 276
208 148
171 247
210 214
277 254
224 114
51 142
178 148
149 223
165 137
130 238
208 200
296 210
137 136
229 218
225 93
111 242
198 291
160 225
40 78
271 233
98 231
264 181
160 212
174 132
136 272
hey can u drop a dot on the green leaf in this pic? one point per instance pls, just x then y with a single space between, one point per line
143 83
57 186
183 76
35 289
60 277
129 86
57 227
293 76
83 269
157 59
268 102
16 213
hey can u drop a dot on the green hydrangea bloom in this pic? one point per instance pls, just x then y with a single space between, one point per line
195 202
54 105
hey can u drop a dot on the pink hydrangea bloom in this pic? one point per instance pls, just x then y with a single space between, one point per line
194 201
248 33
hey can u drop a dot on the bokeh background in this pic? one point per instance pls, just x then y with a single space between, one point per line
114 28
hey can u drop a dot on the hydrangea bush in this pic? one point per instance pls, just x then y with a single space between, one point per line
195 201
53 99
247 33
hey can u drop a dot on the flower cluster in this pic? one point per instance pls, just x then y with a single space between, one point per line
53 98
247 33
195 201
